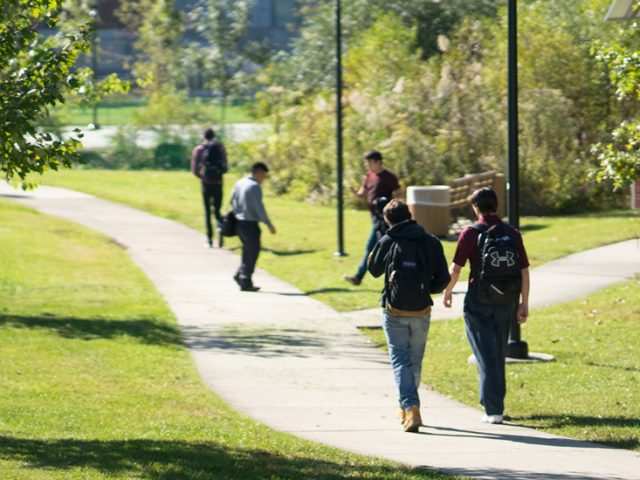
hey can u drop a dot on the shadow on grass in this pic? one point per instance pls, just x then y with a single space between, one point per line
340 290
629 442
143 330
533 228
614 367
172 460
618 214
288 253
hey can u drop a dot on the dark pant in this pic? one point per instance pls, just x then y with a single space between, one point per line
488 332
249 233
212 195
371 242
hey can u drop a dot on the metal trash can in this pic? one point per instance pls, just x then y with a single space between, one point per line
430 207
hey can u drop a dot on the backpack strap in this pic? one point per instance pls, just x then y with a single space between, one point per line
424 259
480 228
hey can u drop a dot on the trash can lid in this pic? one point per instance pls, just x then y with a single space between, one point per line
433 194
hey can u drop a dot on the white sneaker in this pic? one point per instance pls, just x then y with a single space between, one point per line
492 419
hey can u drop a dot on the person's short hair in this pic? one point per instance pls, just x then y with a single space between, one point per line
373 156
209 133
485 200
396 211
259 167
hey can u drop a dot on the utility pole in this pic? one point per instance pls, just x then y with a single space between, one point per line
516 348
339 164
94 61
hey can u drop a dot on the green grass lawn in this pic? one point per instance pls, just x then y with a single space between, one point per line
302 251
97 385
123 113
590 392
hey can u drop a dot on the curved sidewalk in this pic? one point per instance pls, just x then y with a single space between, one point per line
298 366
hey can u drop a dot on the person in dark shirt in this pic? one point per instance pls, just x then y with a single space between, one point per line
487 325
407 330
211 188
378 182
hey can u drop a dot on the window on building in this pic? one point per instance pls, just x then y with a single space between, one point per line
261 14
283 12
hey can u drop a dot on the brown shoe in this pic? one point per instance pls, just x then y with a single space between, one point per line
353 279
412 420
401 414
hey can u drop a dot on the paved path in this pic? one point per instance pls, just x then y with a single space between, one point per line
298 366
102 137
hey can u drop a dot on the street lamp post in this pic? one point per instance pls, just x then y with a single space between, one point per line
339 166
516 348
94 61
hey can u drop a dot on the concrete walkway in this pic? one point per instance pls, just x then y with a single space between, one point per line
298 366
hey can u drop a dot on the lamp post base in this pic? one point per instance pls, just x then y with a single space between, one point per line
517 349
534 357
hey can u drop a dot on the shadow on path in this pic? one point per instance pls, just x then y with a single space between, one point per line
629 442
524 475
260 342
516 438
275 343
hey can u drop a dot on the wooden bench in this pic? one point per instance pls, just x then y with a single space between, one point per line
462 188
437 214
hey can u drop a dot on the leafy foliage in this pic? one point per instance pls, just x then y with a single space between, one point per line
437 109
36 70
619 158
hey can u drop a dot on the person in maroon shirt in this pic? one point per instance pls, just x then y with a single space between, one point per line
487 325
377 183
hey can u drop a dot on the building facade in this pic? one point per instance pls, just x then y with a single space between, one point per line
273 22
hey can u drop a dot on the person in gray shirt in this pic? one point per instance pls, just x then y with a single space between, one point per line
246 201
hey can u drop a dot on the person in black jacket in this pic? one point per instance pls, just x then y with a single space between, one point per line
407 328
211 187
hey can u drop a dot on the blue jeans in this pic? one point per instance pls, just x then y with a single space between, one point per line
371 242
488 332
407 339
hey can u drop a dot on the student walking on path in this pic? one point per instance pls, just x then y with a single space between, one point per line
377 183
498 292
246 201
414 266
209 164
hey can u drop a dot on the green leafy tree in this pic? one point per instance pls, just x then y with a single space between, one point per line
36 73
159 64
440 112
310 65
220 52
619 156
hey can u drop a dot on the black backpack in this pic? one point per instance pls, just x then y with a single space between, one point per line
379 224
408 276
497 277
213 162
